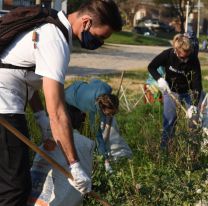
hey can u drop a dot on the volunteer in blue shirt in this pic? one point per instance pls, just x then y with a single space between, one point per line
94 97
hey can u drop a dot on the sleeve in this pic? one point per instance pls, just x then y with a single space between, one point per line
196 83
52 59
158 61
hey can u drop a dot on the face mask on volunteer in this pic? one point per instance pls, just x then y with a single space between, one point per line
89 41
183 59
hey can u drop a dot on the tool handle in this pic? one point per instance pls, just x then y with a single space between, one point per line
121 80
182 107
56 165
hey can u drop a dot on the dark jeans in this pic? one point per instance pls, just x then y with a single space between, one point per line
15 180
170 115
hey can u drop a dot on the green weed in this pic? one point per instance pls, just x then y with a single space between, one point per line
151 177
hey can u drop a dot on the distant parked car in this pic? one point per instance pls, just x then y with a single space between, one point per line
156 25
152 23
165 27
144 31
2 12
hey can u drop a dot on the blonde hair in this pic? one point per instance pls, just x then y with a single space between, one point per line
182 42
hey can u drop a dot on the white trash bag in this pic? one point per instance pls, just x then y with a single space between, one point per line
116 143
49 186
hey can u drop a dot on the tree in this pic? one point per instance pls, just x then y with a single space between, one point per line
179 8
127 8
73 5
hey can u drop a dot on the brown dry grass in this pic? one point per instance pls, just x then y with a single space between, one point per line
132 87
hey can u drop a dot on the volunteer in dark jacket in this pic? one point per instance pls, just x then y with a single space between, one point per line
92 23
183 80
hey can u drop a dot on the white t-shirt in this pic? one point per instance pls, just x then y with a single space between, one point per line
51 57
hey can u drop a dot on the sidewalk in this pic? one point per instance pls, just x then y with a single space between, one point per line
112 58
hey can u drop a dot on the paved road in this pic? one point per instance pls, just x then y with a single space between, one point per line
111 59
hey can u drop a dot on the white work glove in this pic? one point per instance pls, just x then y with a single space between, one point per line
163 85
205 131
44 124
192 110
80 181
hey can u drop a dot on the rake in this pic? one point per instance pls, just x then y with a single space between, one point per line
56 165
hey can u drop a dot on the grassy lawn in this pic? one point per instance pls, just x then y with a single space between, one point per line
125 37
131 38
162 39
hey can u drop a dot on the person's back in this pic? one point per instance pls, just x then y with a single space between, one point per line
83 95
95 98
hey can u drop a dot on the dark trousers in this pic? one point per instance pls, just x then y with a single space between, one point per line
15 180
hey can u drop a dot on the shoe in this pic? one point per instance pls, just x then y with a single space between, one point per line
108 168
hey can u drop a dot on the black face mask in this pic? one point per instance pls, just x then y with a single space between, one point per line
89 41
182 60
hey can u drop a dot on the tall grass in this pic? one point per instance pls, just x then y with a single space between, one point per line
151 177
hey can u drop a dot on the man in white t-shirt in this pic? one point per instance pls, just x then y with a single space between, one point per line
93 22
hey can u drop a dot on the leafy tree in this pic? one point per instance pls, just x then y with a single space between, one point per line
179 8
127 8
73 5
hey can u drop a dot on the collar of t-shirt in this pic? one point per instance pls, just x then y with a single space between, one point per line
62 17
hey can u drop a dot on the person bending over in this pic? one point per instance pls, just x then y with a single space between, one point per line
94 97
182 79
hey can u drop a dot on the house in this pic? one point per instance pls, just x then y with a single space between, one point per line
148 10
164 13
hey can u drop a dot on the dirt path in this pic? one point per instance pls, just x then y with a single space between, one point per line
111 59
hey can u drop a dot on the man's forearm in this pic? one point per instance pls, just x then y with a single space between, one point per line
60 121
62 133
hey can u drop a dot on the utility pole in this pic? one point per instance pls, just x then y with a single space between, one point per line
60 5
198 19
57 4
64 6
1 4
187 13
37 1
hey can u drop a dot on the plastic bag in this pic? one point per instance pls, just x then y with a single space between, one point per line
116 143
49 186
